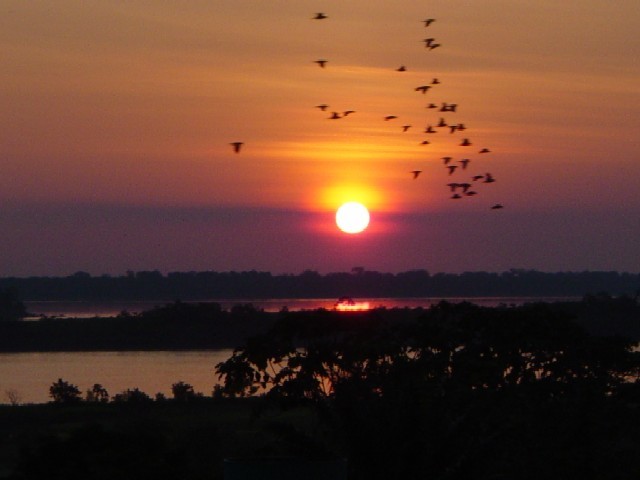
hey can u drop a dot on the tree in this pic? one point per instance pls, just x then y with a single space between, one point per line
442 393
97 394
183 392
133 396
64 392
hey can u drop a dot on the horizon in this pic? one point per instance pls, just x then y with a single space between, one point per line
118 122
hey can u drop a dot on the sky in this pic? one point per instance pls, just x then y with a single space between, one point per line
117 119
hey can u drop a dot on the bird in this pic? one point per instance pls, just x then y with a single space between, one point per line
416 173
425 142
429 129
322 107
320 16
464 162
471 193
464 186
236 146
432 105
441 123
401 68
452 168
497 206
461 127
465 143
448 107
434 45
335 116
428 21
428 42
435 81
453 186
406 127
422 88
475 178
390 117
484 150
348 112
488 178
322 63
456 196
446 160
453 128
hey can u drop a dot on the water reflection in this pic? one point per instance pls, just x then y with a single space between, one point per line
31 374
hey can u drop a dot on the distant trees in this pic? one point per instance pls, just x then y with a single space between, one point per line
64 392
97 394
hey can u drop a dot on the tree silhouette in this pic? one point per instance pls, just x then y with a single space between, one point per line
64 392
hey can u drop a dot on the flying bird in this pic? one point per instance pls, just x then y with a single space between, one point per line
461 127
475 178
322 107
452 168
488 178
422 88
401 68
406 127
432 105
484 150
456 196
425 142
348 112
434 45
435 81
464 162
320 16
416 173
322 63
428 21
446 160
464 186
465 143
497 206
453 186
453 128
236 146
429 129
428 42
441 123
390 117
335 116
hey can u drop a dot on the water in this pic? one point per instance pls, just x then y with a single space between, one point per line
29 375
83 309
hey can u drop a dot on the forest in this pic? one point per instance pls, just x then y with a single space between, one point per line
359 282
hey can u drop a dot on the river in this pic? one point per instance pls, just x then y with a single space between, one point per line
26 377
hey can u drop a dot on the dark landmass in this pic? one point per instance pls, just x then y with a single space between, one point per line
455 391
202 326
153 285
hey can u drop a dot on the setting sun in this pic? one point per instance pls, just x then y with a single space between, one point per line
352 217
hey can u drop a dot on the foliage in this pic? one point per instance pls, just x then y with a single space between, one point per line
441 394
97 394
183 392
64 392
132 396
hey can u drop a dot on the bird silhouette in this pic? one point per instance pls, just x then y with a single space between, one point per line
464 186
435 81
464 162
428 21
452 168
425 142
442 123
488 178
401 68
406 127
422 88
434 46
453 128
429 129
320 16
390 117
471 193
465 143
348 112
428 42
236 146
432 105
335 116
322 63
322 107
484 150
497 206
453 186
461 127
446 160
456 196
416 173
475 178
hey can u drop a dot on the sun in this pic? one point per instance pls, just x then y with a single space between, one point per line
352 217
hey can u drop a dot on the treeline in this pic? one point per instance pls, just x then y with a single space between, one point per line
153 285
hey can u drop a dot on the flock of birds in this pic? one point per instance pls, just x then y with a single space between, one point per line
466 186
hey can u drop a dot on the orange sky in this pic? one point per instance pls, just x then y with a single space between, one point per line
129 107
